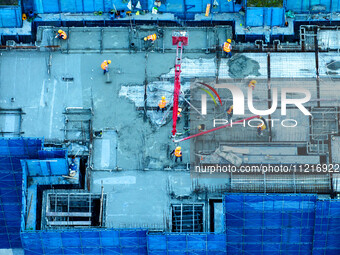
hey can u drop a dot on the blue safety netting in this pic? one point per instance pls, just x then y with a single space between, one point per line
327 228
257 17
14 152
186 243
11 152
269 224
90 241
306 6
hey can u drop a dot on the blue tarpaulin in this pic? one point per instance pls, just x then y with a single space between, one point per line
306 6
10 15
257 17
81 6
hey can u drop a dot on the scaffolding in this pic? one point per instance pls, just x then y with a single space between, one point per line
187 218
69 209
11 152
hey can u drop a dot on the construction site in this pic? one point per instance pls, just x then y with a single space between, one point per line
170 127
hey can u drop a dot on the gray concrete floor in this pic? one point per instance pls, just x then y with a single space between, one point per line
135 198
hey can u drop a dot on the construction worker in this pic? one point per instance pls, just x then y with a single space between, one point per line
61 34
151 38
252 84
230 112
162 104
178 153
105 66
179 115
260 129
227 48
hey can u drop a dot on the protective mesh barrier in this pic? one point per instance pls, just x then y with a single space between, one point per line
90 241
327 228
204 243
11 152
269 224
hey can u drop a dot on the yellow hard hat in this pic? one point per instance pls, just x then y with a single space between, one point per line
253 81
60 31
109 61
229 40
163 97
145 38
178 148
179 109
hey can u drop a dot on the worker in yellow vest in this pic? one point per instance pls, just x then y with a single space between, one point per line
152 38
260 129
162 104
61 34
252 84
227 48
230 112
105 66
179 115
178 153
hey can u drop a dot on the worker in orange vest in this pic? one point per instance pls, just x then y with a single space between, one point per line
61 34
178 153
162 104
260 128
179 115
227 48
105 66
230 112
152 38
252 84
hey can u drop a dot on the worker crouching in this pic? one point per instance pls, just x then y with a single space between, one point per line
162 104
105 66
61 34
178 153
227 48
